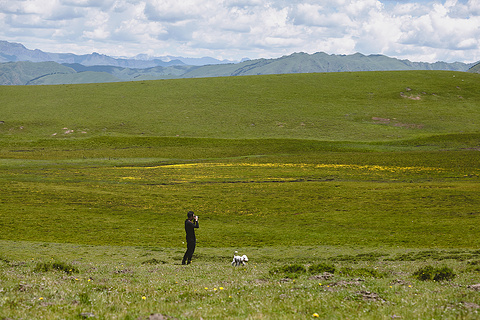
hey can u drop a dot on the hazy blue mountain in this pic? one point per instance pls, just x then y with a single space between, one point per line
13 52
188 61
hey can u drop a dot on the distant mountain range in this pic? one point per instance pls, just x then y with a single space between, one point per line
13 52
21 66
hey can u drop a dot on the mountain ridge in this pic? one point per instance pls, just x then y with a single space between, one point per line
321 62
94 68
14 52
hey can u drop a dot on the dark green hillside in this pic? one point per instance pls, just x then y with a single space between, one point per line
24 72
475 68
48 73
319 62
73 78
131 74
365 106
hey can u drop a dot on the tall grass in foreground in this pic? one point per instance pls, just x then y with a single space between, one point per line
133 283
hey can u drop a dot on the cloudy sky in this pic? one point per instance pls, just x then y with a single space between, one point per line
428 30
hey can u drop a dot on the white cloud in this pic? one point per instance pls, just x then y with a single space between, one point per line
97 34
243 3
175 11
440 30
418 30
88 3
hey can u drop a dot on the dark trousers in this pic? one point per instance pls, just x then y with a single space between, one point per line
190 250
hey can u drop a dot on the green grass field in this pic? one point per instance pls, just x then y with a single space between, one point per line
363 106
375 173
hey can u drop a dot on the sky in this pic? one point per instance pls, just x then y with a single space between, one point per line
429 31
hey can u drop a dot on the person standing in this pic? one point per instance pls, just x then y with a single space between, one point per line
190 224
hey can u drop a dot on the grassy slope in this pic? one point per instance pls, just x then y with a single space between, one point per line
318 62
80 77
475 68
19 73
328 107
109 174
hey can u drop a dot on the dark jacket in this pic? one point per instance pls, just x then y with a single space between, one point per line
190 229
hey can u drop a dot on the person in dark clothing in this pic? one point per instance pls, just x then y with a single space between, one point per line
190 224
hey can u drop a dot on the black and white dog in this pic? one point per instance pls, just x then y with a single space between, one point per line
239 260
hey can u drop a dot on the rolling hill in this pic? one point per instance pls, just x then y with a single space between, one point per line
26 72
320 62
475 68
379 106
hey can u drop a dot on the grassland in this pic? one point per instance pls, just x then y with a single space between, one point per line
367 106
365 171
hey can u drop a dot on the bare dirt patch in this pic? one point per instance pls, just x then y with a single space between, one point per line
324 276
158 316
410 96
381 120
369 296
470 305
393 122
475 287
344 283
400 282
